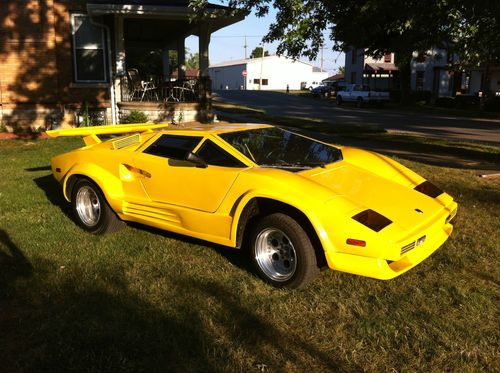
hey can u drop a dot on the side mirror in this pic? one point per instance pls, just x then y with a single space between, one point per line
196 160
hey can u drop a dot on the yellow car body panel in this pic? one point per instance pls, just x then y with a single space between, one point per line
209 203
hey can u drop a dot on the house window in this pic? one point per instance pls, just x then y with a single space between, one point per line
256 81
88 50
353 77
388 58
354 56
419 86
265 81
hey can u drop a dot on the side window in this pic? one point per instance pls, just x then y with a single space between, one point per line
215 156
174 147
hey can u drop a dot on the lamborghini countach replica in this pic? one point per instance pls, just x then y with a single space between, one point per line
297 204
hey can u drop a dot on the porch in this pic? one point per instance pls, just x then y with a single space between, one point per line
148 58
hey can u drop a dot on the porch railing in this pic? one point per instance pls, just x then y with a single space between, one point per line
188 89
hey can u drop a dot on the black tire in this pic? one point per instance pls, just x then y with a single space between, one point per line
339 100
98 218
295 265
359 102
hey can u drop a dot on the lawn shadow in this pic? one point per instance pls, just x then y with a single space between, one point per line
13 264
68 321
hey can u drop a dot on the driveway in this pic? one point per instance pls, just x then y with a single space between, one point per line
431 125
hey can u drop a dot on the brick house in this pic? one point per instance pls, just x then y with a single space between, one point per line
59 58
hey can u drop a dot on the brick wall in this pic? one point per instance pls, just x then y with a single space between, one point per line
36 64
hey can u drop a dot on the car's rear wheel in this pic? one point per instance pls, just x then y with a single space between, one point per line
359 102
339 100
91 210
282 252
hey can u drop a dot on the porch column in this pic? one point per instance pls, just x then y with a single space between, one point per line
166 63
204 42
120 80
181 57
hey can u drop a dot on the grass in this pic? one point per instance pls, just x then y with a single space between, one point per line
143 300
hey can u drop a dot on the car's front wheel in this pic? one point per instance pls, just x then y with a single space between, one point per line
282 252
91 210
339 100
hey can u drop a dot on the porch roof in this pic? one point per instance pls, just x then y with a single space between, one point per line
163 9
370 67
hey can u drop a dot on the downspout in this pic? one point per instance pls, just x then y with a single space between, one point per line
110 67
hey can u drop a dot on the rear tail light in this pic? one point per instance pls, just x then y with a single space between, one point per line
372 220
429 189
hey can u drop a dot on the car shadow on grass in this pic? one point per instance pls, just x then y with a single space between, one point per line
53 192
237 257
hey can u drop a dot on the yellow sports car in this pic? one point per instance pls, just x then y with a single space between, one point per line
296 203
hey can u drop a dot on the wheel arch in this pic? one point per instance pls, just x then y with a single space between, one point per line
108 183
258 206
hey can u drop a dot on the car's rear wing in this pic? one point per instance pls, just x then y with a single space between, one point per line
90 134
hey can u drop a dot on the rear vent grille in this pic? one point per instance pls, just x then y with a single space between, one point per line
407 248
127 141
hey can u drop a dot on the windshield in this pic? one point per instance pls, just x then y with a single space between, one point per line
274 147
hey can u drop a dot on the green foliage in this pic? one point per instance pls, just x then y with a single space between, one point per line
193 61
86 117
257 53
135 116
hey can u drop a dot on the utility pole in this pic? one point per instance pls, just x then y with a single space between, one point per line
322 59
261 66
245 46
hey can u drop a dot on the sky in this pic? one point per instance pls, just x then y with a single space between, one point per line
227 43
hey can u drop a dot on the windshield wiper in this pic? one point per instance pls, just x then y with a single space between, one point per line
287 165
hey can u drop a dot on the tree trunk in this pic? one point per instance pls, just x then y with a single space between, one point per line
403 62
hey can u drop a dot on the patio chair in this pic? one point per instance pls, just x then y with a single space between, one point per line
139 87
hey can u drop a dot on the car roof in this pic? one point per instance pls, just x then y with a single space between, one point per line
214 129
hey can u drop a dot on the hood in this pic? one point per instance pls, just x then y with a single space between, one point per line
403 205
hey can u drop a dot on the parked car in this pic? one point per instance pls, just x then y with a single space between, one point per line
360 95
295 203
322 90
309 85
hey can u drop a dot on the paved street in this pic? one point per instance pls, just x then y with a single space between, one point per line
439 126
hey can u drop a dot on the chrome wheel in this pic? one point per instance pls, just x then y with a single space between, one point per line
88 206
275 254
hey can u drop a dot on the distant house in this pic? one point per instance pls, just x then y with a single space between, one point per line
378 74
433 71
267 73
60 59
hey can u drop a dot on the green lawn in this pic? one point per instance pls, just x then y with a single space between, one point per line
144 300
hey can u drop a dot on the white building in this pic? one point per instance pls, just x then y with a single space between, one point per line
267 73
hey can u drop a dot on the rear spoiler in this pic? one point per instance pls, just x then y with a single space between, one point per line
90 134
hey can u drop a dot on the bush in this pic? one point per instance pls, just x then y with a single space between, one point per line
135 116
492 104
447 102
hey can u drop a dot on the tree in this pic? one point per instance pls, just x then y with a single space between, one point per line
379 27
341 70
193 61
257 53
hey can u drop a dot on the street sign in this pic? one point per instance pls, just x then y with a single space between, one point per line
244 73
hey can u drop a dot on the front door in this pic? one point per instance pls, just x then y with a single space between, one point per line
174 181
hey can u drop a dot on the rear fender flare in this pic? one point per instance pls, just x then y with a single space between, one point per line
109 184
